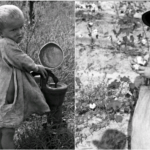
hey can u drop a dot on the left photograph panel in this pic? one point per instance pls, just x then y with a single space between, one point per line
37 57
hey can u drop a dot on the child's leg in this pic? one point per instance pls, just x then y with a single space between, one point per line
0 138
56 112
7 138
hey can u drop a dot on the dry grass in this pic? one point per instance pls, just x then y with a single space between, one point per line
54 22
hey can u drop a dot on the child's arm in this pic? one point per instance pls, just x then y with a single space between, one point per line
144 71
15 57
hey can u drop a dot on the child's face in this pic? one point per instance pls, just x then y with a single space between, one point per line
14 30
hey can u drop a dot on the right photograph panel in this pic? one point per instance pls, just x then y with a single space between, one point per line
112 75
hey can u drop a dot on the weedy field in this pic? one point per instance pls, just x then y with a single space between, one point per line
108 36
53 22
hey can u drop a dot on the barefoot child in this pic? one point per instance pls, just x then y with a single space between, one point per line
20 96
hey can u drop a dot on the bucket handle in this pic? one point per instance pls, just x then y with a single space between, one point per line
44 81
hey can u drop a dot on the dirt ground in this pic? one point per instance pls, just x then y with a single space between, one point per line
97 59
118 64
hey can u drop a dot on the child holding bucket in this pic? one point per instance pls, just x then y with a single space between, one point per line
140 134
20 95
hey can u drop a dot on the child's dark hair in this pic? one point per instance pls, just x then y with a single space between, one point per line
112 139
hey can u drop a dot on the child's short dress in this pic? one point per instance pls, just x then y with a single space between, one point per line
28 98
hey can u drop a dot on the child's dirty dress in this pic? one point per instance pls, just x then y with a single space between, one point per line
28 98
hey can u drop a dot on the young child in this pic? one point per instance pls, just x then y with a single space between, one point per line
20 95
140 135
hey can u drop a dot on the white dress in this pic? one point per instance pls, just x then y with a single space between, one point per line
140 136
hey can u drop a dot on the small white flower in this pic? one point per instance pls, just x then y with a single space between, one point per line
95 31
144 41
140 60
92 105
118 42
136 66
90 24
116 99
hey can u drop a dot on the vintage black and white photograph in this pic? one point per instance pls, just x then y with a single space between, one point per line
37 54
75 74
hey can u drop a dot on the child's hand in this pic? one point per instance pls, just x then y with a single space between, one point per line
139 80
137 62
144 71
42 71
